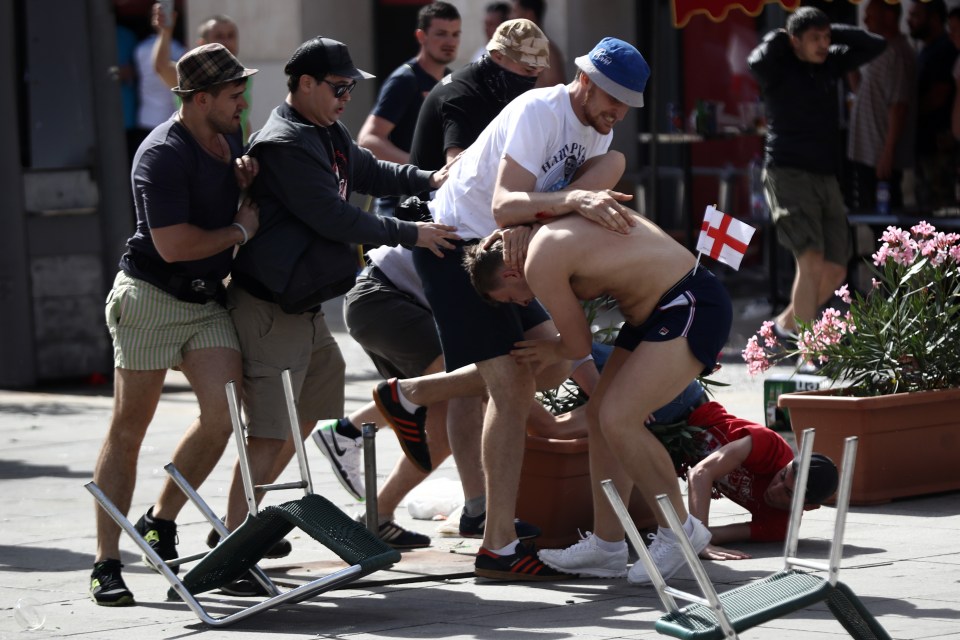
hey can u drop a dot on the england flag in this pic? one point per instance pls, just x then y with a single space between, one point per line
723 237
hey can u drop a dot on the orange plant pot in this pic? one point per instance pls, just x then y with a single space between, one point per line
909 443
555 491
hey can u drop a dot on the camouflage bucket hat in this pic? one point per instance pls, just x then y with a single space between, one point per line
522 41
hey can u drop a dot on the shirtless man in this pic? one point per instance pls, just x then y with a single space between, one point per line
677 320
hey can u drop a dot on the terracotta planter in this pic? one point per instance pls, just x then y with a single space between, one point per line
909 442
555 491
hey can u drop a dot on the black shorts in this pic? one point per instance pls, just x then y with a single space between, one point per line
696 308
471 329
396 331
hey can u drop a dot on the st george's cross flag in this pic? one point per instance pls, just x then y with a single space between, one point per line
723 237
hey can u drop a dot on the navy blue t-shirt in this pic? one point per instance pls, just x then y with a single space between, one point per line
400 99
175 181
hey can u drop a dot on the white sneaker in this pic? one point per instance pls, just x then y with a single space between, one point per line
344 456
585 558
666 553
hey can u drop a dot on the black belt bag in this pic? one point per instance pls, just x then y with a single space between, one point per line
182 287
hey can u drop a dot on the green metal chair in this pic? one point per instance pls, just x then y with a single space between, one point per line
714 616
239 551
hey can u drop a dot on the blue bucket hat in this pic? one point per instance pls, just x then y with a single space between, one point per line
618 68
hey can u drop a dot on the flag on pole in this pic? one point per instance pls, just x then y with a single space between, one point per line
723 237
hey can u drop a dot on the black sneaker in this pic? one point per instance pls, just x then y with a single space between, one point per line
472 527
161 535
409 427
281 549
399 538
523 564
107 587
396 536
246 586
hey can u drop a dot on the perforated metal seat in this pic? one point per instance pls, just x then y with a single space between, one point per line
722 616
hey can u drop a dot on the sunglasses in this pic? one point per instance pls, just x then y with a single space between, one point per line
340 89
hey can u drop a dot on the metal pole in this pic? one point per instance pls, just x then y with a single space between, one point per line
305 481
369 430
243 459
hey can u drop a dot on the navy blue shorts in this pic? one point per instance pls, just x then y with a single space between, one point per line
696 308
471 329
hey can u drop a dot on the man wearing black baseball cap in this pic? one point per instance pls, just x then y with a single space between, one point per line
165 308
304 253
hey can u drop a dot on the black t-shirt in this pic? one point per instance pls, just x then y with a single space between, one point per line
400 98
175 181
457 110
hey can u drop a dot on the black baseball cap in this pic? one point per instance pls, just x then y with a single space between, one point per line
320 56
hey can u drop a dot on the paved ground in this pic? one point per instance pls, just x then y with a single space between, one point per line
902 558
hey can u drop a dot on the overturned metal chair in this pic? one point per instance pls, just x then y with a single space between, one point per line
239 551
716 616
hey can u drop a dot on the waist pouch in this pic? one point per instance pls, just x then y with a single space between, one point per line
183 287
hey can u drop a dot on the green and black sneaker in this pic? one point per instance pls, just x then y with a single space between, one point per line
107 587
161 535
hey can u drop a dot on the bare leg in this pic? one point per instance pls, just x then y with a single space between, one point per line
135 398
465 433
430 389
604 464
208 371
263 454
651 376
511 387
815 281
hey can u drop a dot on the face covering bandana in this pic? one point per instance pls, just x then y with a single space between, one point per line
504 85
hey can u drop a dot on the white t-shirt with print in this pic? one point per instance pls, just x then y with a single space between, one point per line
540 132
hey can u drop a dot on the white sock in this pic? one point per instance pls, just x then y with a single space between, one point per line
406 404
508 550
611 547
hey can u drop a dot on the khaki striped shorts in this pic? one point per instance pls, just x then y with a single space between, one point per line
152 329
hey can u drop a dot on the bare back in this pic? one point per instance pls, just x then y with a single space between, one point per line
635 269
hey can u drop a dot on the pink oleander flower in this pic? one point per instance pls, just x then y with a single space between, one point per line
900 335
844 294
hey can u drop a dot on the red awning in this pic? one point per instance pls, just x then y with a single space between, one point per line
717 10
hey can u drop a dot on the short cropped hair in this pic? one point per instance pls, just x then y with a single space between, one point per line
436 10
483 266
806 18
538 7
207 25
499 7
822 479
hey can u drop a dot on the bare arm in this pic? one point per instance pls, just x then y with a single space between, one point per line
374 135
165 68
185 241
549 280
515 202
715 466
